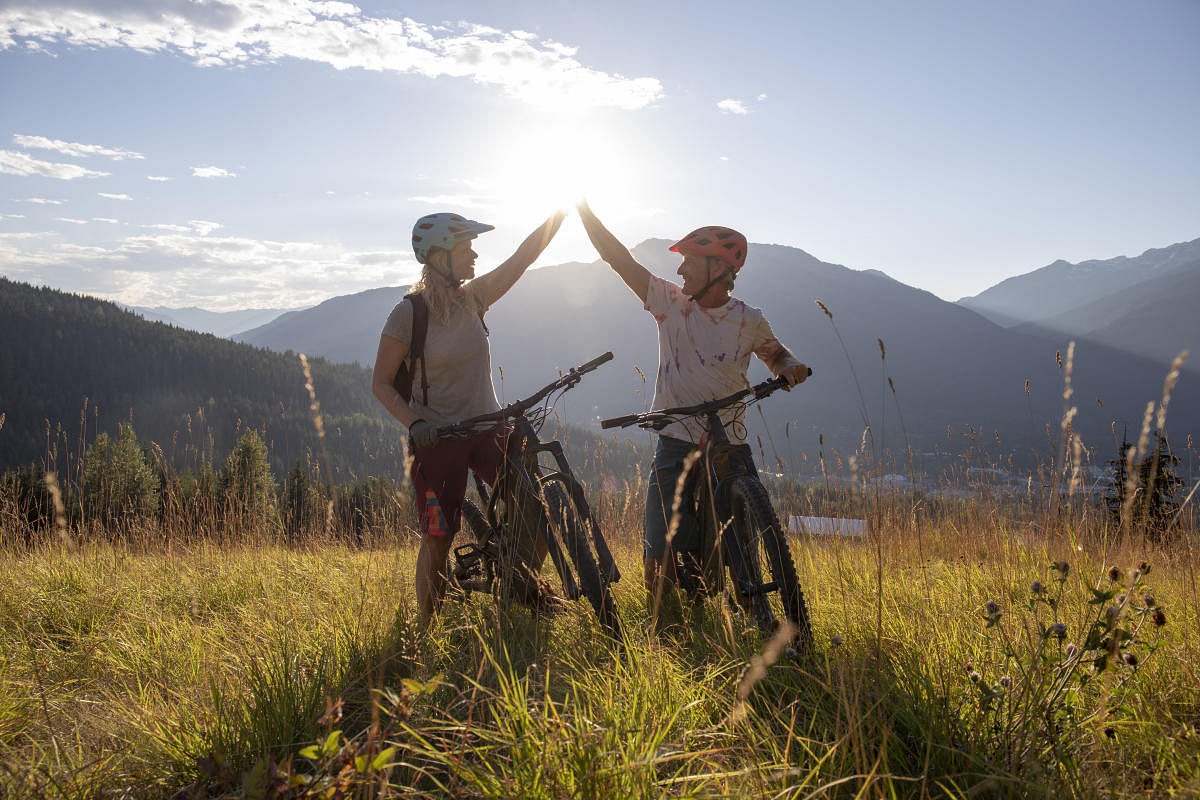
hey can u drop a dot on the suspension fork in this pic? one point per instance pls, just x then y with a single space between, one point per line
608 567
526 494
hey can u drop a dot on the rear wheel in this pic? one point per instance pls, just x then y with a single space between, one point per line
566 521
763 550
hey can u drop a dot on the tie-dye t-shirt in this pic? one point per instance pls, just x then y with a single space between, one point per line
703 353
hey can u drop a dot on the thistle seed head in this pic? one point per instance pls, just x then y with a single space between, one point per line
1149 601
1070 649
1159 618
1115 574
1130 659
1059 630
992 607
1036 587
1061 567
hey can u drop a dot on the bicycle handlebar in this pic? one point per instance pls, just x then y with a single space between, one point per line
648 418
573 376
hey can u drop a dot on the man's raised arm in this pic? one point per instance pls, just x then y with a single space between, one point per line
636 276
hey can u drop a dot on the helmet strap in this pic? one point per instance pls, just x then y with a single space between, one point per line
711 283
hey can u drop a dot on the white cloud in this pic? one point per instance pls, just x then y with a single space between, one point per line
14 163
732 106
12 216
212 172
240 32
761 97
186 265
74 149
72 221
204 227
108 220
724 158
114 196
42 201
452 200
158 178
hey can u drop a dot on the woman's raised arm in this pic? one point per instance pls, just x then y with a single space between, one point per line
495 284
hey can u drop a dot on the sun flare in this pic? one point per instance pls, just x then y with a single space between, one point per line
555 165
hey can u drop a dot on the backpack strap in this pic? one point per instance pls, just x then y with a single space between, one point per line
417 351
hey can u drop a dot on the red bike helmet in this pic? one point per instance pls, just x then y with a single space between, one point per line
717 241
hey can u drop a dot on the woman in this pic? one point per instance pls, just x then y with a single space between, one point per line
452 382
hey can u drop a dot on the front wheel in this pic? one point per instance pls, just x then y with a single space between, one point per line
565 519
758 537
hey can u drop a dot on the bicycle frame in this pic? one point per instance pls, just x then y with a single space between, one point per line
526 507
518 498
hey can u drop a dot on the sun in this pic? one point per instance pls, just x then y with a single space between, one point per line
548 165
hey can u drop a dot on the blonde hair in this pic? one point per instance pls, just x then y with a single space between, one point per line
440 296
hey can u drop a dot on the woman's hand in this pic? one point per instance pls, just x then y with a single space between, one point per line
424 434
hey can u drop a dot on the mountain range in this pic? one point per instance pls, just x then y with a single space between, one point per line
958 379
218 323
1144 305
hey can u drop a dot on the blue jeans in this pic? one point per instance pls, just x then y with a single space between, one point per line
660 496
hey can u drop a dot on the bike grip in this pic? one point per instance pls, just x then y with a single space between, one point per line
619 422
595 362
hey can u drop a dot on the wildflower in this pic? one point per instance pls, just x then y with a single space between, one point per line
837 641
1159 618
992 607
975 677
1005 681
1115 574
1144 567
1111 733
1130 659
1149 601
1062 568
1121 599
1111 613
1070 649
1036 587
1059 630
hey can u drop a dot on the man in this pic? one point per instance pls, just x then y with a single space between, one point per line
705 340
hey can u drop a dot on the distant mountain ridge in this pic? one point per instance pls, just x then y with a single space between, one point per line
949 365
1144 305
218 323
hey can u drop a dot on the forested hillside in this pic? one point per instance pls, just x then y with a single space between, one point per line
74 366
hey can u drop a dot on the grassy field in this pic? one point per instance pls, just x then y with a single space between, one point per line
250 669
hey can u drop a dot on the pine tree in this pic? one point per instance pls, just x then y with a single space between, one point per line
118 485
247 484
1155 485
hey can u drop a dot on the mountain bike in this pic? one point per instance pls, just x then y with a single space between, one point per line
533 510
739 530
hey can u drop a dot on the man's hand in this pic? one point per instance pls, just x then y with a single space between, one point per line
423 434
796 373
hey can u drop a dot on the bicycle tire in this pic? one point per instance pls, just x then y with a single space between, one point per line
565 520
476 522
757 528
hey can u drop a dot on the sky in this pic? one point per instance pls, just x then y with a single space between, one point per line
235 154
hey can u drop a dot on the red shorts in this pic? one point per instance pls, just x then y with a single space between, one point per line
442 470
